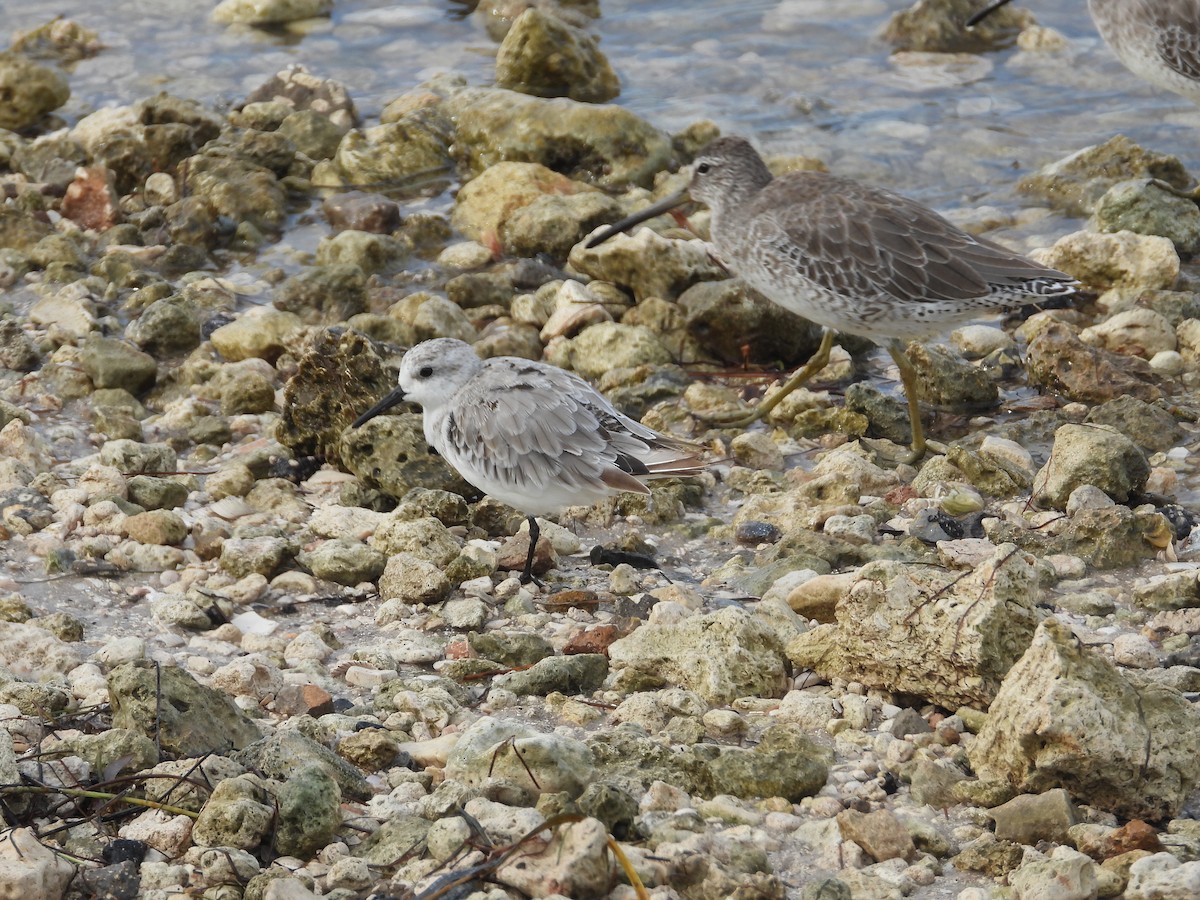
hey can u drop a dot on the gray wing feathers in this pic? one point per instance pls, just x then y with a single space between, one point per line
858 240
554 427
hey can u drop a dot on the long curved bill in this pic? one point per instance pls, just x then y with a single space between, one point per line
394 398
649 212
985 12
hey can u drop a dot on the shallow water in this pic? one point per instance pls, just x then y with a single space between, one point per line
797 76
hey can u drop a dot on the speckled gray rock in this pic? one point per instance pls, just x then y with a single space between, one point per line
1065 717
606 145
548 57
184 716
30 90
284 753
941 635
1090 454
1143 207
721 656
309 811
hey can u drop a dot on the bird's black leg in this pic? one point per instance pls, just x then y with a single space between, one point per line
534 534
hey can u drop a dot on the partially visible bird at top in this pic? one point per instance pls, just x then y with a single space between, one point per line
851 258
532 435
1157 40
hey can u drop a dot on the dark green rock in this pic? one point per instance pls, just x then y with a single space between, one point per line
309 811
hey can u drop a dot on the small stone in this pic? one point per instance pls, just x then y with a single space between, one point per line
879 833
1029 818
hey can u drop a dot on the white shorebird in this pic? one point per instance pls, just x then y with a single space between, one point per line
534 436
850 258
1157 40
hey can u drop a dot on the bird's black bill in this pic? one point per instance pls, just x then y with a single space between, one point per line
395 398
985 12
649 212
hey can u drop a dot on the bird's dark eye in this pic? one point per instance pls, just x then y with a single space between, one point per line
703 168
426 371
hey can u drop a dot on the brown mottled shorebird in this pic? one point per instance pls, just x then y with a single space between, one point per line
850 258
1157 40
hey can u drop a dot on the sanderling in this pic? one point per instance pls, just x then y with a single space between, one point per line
534 436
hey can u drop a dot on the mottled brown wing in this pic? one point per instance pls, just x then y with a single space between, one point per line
1177 33
864 241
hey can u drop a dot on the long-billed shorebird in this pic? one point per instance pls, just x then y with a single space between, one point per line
850 258
534 436
1157 40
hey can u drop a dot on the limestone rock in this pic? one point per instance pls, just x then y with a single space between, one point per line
946 637
879 833
938 27
1061 362
725 316
1090 454
608 345
1143 207
647 264
1133 262
1029 818
548 57
514 761
30 90
29 869
1075 183
1065 717
573 862
283 754
721 656
269 12
606 145
239 813
184 716
309 811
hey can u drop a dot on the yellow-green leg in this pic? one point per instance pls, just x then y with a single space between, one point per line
819 360
908 378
